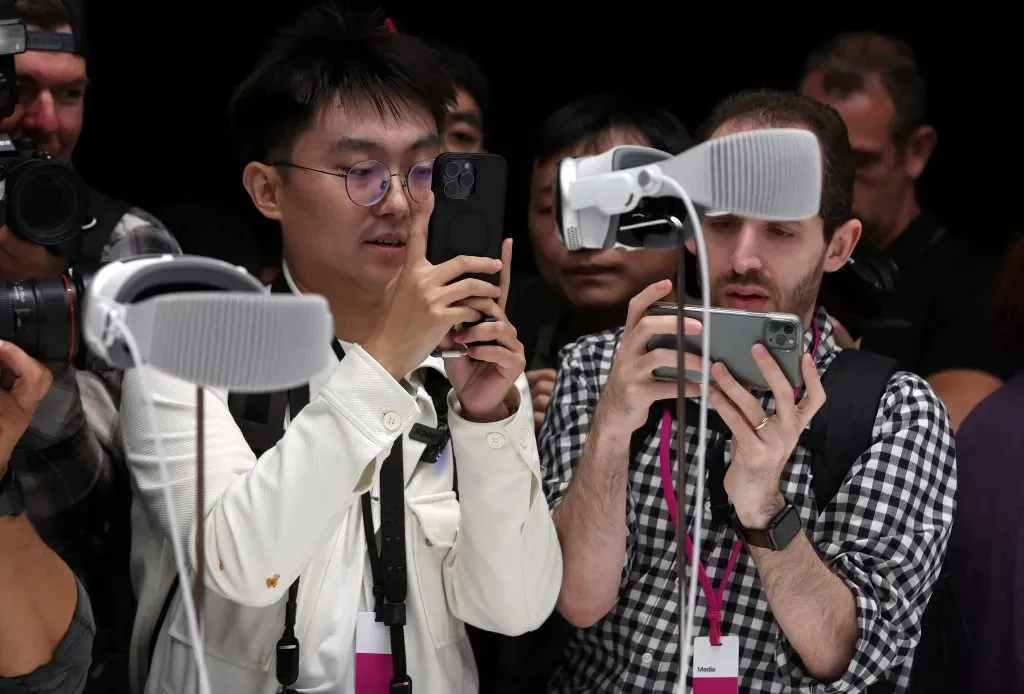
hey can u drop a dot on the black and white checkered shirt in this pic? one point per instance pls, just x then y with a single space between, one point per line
884 534
66 455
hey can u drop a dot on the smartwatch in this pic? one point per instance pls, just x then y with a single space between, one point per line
782 529
12 503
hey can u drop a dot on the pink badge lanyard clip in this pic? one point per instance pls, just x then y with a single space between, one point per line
713 597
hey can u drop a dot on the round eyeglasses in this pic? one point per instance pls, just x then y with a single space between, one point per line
368 182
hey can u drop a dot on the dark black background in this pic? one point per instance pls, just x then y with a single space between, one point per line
162 73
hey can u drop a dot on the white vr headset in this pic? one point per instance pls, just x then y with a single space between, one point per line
617 200
205 321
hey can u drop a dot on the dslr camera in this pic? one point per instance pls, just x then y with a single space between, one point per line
44 203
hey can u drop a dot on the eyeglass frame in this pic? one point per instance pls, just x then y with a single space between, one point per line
344 174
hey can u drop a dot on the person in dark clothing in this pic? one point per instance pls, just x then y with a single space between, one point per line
981 615
933 325
574 295
595 285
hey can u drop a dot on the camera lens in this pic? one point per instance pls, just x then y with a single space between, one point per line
451 189
467 179
43 317
451 169
48 203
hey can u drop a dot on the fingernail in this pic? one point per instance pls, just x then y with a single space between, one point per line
759 350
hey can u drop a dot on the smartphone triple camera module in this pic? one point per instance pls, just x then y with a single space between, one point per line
459 179
781 335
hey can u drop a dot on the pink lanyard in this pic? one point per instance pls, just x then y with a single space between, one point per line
713 597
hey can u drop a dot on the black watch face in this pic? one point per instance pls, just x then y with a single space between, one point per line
786 529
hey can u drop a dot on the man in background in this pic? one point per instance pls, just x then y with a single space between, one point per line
587 291
576 294
70 464
464 126
936 324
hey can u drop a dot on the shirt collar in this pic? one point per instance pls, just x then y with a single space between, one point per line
827 346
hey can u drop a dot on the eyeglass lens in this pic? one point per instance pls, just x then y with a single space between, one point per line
369 181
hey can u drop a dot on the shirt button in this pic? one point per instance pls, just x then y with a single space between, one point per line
495 440
647 659
525 438
707 507
391 421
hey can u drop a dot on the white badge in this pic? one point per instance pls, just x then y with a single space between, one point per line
716 669
374 666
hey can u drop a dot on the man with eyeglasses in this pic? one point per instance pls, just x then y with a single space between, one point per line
372 531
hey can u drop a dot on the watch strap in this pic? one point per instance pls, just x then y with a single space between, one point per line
782 529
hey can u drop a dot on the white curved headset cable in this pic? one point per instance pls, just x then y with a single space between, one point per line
705 367
120 330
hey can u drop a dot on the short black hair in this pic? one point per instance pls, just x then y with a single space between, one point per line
48 15
849 60
584 121
51 15
326 54
773 108
466 74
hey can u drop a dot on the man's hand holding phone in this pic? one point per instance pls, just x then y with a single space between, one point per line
763 444
424 301
632 388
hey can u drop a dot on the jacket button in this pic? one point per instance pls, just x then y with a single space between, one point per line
391 421
525 437
495 440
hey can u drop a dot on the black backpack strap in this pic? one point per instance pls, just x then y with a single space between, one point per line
842 429
437 387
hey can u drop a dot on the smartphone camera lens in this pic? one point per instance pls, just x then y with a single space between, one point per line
459 179
781 335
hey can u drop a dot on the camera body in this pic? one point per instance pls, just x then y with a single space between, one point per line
13 40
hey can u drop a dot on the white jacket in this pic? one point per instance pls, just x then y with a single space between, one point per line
490 558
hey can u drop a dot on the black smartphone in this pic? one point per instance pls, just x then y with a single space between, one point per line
469 208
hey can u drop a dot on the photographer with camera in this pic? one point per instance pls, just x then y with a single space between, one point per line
400 496
54 229
42 106
46 623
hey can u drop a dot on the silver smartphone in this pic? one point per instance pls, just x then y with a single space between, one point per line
733 333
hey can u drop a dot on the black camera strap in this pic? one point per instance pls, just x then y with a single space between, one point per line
387 565
388 562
